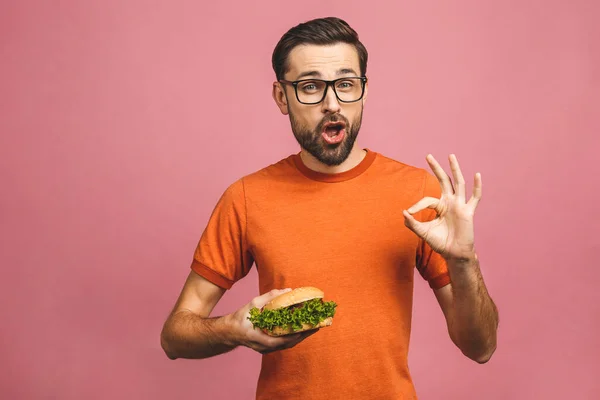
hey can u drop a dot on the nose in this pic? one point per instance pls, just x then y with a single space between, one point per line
330 103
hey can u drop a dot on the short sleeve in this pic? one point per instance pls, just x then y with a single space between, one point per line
222 254
431 265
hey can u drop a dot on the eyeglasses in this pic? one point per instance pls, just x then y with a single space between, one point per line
313 91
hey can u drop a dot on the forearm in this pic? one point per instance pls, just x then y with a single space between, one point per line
187 335
475 317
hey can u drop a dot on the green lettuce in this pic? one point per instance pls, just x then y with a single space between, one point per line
310 312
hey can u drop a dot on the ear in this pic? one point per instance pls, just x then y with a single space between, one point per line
280 98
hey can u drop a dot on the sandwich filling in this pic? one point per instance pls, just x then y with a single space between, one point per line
310 312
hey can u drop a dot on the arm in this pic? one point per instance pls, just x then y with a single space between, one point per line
189 332
471 315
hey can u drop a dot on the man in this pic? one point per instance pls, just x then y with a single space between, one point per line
343 219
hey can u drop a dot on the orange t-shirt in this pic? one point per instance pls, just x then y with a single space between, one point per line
345 234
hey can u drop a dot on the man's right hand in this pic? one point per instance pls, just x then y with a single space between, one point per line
247 335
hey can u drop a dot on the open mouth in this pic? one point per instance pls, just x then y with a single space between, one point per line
334 132
332 129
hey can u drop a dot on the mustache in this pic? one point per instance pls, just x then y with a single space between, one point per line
333 118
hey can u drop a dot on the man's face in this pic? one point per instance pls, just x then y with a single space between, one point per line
326 130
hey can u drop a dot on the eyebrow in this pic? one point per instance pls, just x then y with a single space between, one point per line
317 74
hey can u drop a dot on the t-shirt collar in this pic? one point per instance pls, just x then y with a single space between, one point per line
338 177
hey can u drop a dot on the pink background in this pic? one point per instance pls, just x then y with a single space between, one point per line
123 121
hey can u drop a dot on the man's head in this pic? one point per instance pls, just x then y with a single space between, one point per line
325 117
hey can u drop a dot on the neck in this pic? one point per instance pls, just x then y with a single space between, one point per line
356 155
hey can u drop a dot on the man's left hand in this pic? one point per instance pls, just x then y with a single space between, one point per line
451 233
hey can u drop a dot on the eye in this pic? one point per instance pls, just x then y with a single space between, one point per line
310 87
345 84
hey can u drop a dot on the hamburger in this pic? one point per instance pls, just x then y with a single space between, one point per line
298 310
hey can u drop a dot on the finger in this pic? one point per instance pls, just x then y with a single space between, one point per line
296 338
304 335
425 202
459 180
477 191
271 343
299 335
442 176
419 228
260 301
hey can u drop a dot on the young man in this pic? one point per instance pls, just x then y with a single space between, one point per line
343 219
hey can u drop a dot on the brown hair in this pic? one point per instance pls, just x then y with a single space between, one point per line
321 31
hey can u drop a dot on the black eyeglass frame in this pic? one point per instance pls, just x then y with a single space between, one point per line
332 83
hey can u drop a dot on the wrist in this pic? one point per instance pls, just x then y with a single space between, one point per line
231 331
463 259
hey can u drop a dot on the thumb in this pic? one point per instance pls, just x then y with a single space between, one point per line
260 301
419 228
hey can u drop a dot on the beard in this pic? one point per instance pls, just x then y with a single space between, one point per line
312 141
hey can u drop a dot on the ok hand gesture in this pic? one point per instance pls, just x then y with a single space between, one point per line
451 233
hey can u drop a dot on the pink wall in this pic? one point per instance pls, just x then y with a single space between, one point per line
122 122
